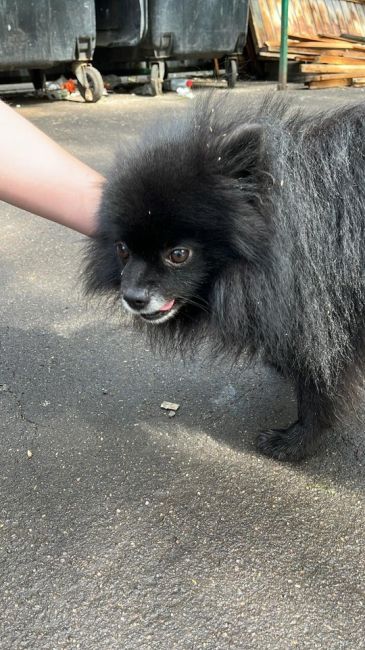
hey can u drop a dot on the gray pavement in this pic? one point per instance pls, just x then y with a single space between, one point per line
127 529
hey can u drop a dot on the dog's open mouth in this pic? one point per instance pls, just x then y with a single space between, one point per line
162 313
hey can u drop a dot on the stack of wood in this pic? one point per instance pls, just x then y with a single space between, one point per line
326 37
325 61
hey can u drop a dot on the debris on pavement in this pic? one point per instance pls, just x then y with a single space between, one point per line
170 406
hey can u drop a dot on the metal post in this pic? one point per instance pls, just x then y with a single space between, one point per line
283 64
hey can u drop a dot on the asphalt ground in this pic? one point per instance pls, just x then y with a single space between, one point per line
122 528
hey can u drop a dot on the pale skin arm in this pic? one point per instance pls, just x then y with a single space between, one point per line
36 174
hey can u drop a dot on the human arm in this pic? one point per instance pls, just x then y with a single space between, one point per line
36 174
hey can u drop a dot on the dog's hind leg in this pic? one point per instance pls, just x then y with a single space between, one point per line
302 437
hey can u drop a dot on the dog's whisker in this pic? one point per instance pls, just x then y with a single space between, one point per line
195 303
193 296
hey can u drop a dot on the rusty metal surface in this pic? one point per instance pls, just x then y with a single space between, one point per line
307 17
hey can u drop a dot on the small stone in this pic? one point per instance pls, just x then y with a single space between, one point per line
170 406
29 453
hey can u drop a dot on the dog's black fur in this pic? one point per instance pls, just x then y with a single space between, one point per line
269 204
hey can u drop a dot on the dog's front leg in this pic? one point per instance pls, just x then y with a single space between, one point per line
301 438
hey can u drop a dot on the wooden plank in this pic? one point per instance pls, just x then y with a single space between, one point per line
299 21
338 37
344 16
297 50
352 37
321 45
349 53
322 11
268 19
337 57
275 55
304 58
311 53
254 33
323 77
273 12
342 19
270 44
304 37
321 56
310 56
291 56
313 68
269 55
268 26
334 15
314 17
333 44
258 28
329 83
338 60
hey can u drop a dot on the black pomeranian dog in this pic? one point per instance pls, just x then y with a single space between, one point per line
245 225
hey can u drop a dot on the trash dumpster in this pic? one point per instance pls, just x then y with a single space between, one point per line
156 31
44 34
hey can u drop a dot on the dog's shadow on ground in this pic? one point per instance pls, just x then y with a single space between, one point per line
232 404
97 371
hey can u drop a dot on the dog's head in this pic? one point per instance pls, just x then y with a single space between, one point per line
175 214
169 243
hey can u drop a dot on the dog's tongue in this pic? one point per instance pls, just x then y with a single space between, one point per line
167 306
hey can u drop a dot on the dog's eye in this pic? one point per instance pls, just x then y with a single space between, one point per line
122 250
179 255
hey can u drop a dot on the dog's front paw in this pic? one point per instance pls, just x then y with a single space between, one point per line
284 444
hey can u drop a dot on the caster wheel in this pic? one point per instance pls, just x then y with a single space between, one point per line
231 72
93 89
156 79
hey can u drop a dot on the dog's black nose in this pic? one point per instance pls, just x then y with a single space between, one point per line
136 298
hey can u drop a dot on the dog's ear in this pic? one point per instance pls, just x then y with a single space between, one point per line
241 150
252 236
252 231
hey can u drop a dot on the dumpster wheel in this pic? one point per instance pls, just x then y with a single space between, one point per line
231 72
157 77
93 89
